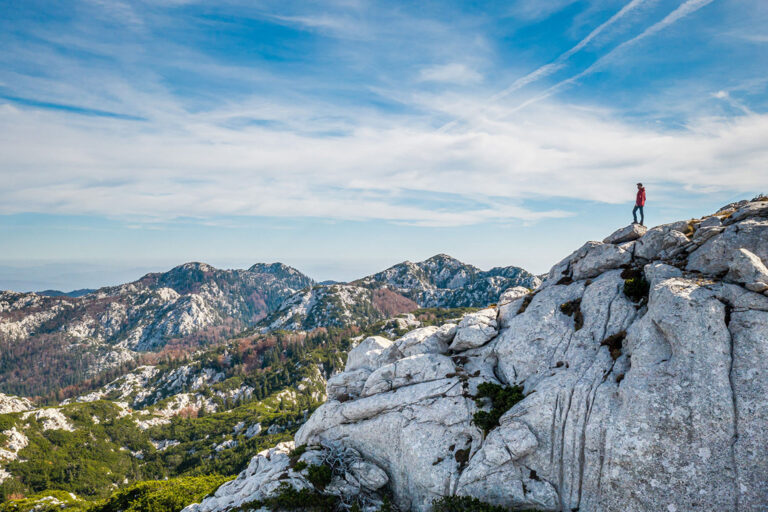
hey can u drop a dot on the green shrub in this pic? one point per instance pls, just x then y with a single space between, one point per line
502 399
463 504
49 501
300 465
7 421
637 288
298 451
319 476
162 495
288 498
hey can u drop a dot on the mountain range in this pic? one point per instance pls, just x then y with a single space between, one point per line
195 304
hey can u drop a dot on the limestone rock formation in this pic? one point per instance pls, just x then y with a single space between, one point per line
626 234
644 370
353 479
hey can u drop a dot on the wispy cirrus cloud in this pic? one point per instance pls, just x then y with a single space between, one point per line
350 135
686 8
453 73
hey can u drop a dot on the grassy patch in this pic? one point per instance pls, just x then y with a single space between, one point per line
502 399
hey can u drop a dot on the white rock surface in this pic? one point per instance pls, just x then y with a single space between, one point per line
369 354
513 294
348 384
253 430
746 268
475 330
715 255
426 340
14 443
10 404
655 272
626 234
51 419
408 371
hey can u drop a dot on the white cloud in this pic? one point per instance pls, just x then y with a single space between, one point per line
454 73
192 165
557 64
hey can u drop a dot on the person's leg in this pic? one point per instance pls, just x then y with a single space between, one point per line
634 214
642 216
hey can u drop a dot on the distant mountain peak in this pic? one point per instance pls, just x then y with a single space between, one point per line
442 257
195 266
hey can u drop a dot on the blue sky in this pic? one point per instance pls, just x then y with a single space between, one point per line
344 136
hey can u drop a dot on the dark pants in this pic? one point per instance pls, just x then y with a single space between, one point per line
634 214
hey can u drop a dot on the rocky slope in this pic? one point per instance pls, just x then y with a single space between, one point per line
445 282
208 413
77 337
191 304
143 314
642 370
438 282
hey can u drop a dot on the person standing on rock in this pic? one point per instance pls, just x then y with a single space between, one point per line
639 204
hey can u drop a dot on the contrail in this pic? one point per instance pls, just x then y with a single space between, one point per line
682 11
558 63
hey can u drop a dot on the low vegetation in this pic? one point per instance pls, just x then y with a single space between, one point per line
150 496
636 287
161 496
502 398
319 475
465 504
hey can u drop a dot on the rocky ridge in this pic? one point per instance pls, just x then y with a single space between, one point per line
82 337
438 282
445 282
144 314
642 362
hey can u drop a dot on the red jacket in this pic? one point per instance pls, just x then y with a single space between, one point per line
640 201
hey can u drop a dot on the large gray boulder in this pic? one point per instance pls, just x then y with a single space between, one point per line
346 385
418 434
590 260
747 269
369 354
408 371
513 293
626 234
426 340
475 330
716 254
